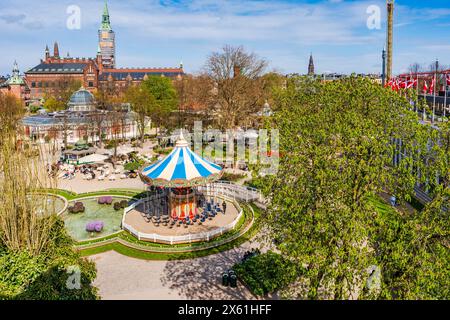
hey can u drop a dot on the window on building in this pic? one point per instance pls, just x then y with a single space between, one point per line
91 84
33 84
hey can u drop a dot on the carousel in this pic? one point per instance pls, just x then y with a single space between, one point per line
180 192
180 173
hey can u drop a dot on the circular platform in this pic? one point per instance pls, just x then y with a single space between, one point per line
135 222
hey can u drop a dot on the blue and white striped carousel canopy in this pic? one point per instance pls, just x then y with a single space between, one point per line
181 168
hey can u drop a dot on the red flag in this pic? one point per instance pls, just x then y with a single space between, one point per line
388 84
397 85
432 86
403 84
425 86
411 84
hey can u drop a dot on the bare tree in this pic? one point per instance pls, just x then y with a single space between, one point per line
415 68
238 91
440 67
196 99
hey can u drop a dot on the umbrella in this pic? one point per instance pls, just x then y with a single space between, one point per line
93 158
124 150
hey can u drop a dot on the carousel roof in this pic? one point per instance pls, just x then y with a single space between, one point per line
181 168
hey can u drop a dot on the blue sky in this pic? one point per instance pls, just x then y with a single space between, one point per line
163 33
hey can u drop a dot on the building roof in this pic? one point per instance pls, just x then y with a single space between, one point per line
82 97
59 68
66 117
139 74
106 23
15 79
181 168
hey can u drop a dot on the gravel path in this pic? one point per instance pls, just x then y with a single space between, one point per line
122 277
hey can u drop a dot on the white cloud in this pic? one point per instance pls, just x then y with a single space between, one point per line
283 32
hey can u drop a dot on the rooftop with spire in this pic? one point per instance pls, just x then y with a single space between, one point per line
106 23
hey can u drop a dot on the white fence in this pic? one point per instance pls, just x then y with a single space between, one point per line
233 190
201 236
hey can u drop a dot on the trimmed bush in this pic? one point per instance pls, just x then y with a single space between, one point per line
105 200
120 205
76 208
96 226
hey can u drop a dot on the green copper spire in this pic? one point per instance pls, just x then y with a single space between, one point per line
106 24
15 79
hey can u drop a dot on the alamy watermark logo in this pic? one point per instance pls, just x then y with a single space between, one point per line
374 19
73 281
73 21
236 148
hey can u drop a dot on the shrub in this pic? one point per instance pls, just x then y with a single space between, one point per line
120 205
76 208
96 226
233 177
105 200
132 166
266 273
44 277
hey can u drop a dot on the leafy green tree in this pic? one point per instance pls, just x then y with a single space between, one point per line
165 98
56 98
144 104
132 166
337 146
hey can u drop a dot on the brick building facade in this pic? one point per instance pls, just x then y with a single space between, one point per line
93 73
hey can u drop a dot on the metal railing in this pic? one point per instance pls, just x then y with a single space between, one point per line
235 191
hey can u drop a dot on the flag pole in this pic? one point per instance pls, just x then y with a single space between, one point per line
434 89
417 86
445 94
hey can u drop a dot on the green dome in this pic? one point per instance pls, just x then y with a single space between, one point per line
15 79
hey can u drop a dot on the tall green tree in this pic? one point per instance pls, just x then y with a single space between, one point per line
144 104
337 142
165 98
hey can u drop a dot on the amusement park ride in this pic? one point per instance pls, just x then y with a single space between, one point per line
178 175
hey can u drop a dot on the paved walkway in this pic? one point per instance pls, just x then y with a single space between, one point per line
122 277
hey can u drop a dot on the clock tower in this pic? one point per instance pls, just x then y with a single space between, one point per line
106 41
